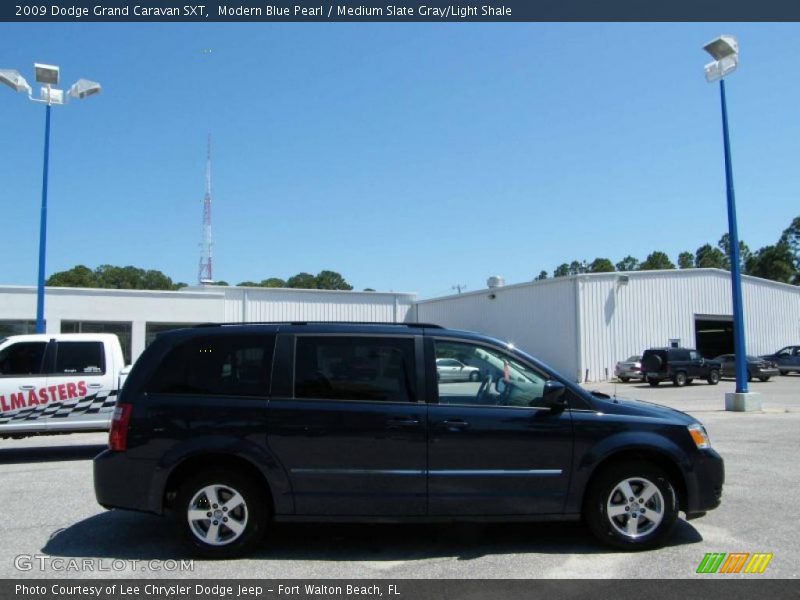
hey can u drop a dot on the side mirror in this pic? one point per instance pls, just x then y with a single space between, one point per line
553 395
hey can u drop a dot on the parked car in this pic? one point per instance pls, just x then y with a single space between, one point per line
787 359
630 368
756 367
450 369
59 383
679 365
229 427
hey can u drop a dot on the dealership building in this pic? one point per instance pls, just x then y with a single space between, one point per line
580 324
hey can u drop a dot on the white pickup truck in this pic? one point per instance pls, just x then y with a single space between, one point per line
59 383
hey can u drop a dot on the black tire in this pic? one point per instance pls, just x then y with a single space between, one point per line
252 514
679 379
475 376
624 379
604 493
653 382
713 377
764 379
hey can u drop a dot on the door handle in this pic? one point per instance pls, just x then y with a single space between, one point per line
455 424
95 385
402 422
27 387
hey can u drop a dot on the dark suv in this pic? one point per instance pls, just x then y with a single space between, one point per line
228 427
678 365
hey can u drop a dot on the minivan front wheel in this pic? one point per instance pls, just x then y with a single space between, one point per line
221 514
631 506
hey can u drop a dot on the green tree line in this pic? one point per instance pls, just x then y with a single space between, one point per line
134 278
324 280
778 262
111 277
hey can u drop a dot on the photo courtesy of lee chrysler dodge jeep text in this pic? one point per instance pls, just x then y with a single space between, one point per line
229 427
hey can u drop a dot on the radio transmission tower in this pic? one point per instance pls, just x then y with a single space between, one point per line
206 273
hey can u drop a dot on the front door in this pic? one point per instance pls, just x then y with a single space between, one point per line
351 432
22 379
494 448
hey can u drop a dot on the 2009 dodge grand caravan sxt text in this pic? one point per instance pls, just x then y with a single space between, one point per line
227 427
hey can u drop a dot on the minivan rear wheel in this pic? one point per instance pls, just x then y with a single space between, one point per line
221 514
631 505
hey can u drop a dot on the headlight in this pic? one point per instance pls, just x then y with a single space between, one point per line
699 435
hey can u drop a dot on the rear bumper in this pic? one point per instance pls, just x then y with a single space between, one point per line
629 373
766 372
704 483
122 482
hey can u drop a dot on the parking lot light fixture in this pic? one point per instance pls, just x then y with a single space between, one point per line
49 76
14 80
725 52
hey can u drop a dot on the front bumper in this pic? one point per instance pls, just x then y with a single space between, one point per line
704 483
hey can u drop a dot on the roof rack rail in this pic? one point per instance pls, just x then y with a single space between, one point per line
382 323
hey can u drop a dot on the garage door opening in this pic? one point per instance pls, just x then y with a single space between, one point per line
713 335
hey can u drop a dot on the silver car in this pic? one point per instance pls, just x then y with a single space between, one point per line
630 368
450 369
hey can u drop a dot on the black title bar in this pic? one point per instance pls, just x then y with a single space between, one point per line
382 589
397 11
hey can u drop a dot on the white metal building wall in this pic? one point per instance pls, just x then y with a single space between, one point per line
619 320
202 304
539 318
137 307
275 304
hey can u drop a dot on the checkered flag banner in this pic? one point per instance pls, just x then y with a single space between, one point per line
94 403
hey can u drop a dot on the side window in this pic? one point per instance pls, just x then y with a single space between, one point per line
85 358
220 365
489 378
785 352
23 358
355 368
694 355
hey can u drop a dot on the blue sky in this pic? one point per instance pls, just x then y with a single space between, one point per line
408 157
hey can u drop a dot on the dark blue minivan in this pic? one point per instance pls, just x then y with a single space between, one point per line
229 427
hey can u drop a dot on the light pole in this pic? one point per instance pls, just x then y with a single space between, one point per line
725 52
48 76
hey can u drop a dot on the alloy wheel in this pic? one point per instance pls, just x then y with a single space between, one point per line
635 507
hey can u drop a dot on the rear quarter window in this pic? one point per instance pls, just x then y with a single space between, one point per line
219 365
679 354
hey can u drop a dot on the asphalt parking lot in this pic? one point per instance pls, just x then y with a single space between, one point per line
51 516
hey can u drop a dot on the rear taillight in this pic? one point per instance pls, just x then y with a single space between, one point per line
635 369
118 436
